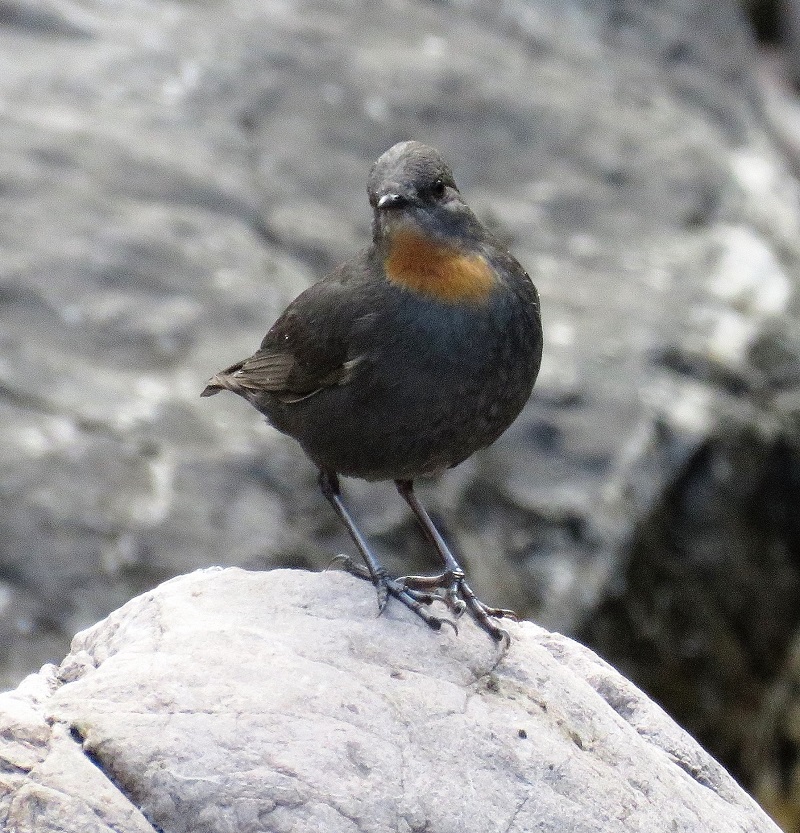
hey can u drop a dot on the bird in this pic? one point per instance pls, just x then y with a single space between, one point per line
403 362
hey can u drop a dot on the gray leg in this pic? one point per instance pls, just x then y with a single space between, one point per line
452 581
385 585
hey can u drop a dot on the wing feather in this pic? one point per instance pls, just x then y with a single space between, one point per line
307 349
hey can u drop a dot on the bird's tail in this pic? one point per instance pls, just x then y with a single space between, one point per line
224 380
213 386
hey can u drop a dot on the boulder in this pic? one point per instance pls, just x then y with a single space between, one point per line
227 700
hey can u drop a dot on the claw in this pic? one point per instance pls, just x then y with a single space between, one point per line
417 602
483 615
455 604
501 613
504 641
349 566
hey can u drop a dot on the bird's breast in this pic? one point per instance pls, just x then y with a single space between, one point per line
441 272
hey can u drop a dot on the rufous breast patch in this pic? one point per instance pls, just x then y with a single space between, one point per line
438 270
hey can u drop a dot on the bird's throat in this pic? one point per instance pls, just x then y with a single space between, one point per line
439 271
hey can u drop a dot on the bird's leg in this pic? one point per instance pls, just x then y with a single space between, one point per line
448 581
413 598
458 594
329 484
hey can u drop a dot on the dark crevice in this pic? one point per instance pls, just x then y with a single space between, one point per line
79 738
12 769
766 20
695 773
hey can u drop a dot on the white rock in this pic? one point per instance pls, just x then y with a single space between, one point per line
231 701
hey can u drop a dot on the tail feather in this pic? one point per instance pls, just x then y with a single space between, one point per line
222 381
230 379
212 388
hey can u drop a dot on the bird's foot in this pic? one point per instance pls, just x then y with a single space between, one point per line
416 597
418 592
451 588
443 587
484 615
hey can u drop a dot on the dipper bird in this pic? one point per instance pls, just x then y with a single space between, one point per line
403 361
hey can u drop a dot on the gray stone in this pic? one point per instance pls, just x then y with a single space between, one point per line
227 700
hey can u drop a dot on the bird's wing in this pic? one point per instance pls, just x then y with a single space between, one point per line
286 375
307 349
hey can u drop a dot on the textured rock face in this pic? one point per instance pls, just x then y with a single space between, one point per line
235 701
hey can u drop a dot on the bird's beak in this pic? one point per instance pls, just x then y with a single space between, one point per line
393 200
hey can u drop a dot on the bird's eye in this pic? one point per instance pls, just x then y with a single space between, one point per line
438 188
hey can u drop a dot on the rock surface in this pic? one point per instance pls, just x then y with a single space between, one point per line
238 701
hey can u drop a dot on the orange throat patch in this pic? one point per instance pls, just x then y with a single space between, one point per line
437 270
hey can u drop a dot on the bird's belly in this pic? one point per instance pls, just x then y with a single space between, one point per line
396 423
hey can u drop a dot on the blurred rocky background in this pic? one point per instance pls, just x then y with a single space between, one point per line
173 173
